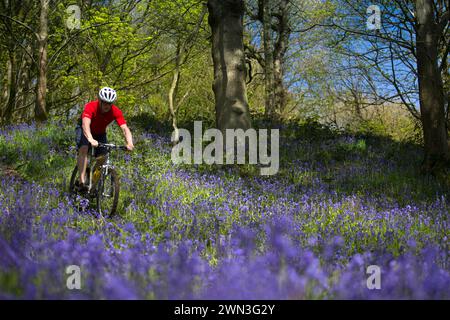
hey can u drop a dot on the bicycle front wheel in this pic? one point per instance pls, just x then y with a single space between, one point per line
108 194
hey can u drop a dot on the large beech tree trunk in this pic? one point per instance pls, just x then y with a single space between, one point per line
226 21
431 93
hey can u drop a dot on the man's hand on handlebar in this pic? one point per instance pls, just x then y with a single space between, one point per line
94 143
130 147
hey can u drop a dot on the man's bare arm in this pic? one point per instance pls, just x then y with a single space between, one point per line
128 136
87 132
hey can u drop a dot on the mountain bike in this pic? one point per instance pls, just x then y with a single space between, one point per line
103 182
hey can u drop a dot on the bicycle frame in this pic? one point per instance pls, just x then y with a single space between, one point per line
104 168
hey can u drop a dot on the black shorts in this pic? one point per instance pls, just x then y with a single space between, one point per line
81 140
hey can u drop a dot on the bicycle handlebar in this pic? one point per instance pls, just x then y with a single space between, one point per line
111 146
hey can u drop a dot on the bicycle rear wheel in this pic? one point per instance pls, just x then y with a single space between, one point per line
73 178
108 194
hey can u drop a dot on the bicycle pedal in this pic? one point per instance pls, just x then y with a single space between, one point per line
82 188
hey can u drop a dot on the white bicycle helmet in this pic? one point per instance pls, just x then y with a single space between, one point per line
107 94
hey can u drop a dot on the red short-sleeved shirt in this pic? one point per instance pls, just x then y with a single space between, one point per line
99 120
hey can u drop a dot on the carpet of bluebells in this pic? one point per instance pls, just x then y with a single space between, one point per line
339 204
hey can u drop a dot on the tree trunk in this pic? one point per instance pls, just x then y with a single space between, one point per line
41 88
5 86
173 92
280 49
430 87
11 88
226 21
23 82
357 99
182 53
268 58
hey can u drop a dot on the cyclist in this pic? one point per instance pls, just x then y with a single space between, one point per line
91 129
